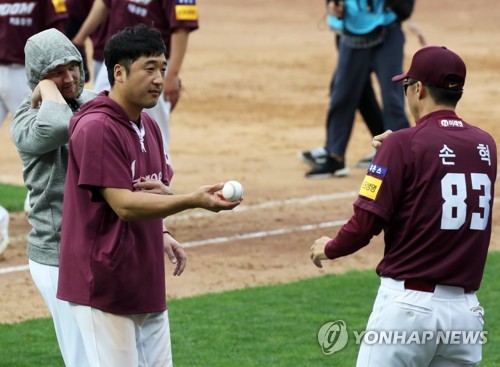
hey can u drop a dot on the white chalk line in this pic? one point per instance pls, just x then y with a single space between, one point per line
220 240
252 235
276 232
13 269
246 236
267 204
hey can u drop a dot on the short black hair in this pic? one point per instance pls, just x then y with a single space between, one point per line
445 96
130 44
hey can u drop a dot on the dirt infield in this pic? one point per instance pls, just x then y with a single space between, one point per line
256 79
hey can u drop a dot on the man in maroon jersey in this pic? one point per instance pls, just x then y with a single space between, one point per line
111 260
175 19
431 189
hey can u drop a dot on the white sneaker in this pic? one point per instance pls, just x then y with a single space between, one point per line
4 229
367 161
314 157
27 206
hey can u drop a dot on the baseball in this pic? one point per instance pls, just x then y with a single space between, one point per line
232 191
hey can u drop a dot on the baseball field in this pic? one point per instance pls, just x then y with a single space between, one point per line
256 79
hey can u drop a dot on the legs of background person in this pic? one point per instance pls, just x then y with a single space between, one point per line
4 229
352 72
388 61
97 64
13 89
353 66
369 107
414 315
161 114
101 81
124 340
67 332
371 112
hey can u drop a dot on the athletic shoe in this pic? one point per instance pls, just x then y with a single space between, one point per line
367 161
331 168
314 157
4 230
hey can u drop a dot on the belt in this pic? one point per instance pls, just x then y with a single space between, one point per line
418 285
423 286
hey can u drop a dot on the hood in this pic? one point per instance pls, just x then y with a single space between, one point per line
102 104
45 51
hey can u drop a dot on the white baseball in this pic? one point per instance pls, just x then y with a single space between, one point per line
232 191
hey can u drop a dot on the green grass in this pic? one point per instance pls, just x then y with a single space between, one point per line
264 326
12 198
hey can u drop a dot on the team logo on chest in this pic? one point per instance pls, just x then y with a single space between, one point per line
152 176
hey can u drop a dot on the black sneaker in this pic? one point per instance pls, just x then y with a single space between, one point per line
314 157
331 168
367 161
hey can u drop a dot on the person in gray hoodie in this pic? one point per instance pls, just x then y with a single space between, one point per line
39 130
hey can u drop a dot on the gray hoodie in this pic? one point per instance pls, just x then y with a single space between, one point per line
41 137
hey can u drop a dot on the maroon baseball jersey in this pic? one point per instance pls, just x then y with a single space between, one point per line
165 15
433 185
19 20
107 263
79 9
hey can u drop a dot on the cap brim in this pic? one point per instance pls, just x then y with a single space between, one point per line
398 78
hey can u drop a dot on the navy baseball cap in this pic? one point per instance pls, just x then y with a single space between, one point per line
433 65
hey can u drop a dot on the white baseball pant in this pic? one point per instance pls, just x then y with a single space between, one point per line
13 89
4 229
400 309
67 332
140 340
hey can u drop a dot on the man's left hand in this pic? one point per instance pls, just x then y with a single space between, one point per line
175 253
317 253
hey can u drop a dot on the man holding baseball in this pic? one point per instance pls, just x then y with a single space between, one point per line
431 189
112 242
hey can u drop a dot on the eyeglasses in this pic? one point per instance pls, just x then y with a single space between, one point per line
406 84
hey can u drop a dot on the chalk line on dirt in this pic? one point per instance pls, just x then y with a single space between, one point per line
246 236
252 235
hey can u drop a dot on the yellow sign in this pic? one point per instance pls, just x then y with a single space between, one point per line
370 187
59 5
186 12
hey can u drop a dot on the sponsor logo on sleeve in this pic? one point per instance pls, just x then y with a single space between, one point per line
186 10
450 123
60 6
370 187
